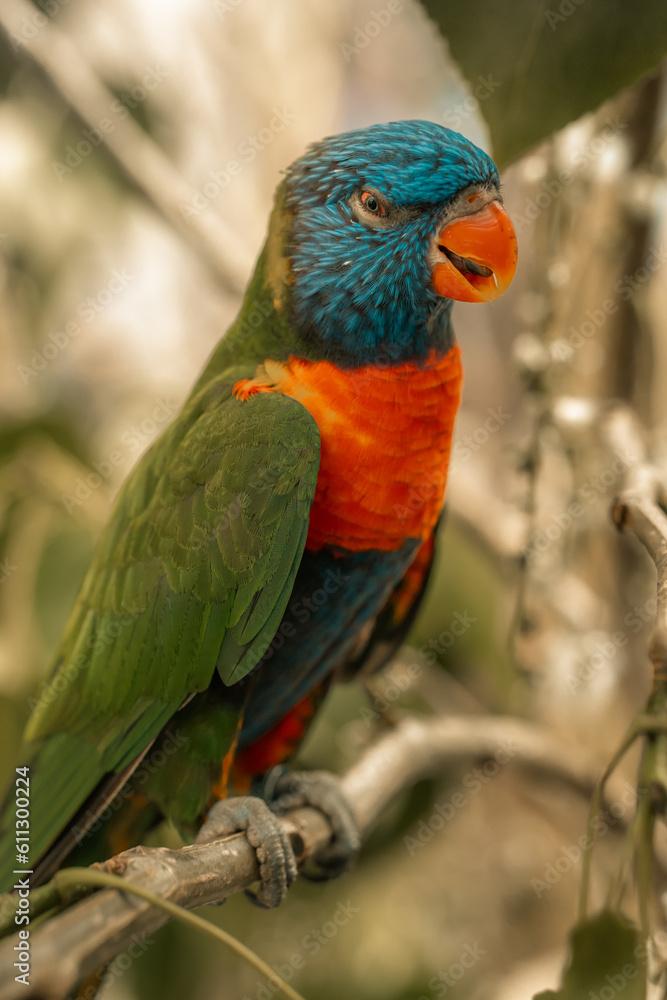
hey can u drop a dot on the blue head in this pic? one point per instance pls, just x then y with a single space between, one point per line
368 211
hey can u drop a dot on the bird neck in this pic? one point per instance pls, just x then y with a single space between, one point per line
267 326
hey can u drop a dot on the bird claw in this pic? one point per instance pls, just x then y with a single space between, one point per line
252 816
321 790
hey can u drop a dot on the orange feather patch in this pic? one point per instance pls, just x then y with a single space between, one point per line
385 441
275 746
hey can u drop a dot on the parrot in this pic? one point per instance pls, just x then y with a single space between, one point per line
279 534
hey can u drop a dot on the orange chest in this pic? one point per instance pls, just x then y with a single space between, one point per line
385 438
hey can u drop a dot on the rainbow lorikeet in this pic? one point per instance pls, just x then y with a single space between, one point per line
280 532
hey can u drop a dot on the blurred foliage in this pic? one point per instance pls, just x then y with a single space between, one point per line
549 61
607 955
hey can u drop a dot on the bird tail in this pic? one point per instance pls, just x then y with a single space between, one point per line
60 776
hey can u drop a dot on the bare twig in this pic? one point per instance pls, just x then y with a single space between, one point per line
136 153
636 511
80 941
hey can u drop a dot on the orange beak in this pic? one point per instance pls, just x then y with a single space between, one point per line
480 254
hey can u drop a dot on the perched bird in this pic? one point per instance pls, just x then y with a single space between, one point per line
279 533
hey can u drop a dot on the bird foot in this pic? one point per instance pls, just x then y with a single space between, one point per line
252 816
292 789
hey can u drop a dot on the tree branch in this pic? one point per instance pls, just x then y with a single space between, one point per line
79 942
635 511
138 156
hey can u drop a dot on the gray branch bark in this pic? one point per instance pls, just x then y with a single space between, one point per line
82 940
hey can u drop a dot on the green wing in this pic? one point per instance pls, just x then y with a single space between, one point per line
194 572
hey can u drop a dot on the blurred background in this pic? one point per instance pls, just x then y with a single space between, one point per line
108 313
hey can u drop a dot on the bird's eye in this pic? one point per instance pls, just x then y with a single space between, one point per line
373 210
372 203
